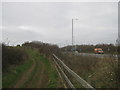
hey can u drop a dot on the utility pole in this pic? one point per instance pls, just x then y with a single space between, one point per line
72 32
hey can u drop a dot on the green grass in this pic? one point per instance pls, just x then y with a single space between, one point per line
31 76
34 55
52 74
53 78
10 78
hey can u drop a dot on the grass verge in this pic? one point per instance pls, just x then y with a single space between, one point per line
52 74
10 78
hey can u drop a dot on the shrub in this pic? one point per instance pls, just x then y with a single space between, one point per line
12 56
44 48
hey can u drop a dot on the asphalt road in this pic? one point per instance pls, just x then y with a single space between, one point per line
97 55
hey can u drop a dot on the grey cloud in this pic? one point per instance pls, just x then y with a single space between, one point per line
20 36
97 21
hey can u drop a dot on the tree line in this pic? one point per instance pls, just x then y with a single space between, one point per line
45 49
107 48
17 55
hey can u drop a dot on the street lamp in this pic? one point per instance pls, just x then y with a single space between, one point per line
72 29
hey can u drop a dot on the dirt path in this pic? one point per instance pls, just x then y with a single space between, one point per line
39 80
41 77
25 76
36 76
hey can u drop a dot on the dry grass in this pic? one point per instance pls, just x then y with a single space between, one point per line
99 72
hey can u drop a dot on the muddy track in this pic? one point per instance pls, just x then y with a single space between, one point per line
40 83
35 77
25 76
37 80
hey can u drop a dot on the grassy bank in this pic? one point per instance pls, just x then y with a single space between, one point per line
52 74
10 78
49 75
16 70
99 72
32 56
43 70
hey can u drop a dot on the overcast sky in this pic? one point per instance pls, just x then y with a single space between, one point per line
51 22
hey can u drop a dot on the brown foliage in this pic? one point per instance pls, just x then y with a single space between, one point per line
44 48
